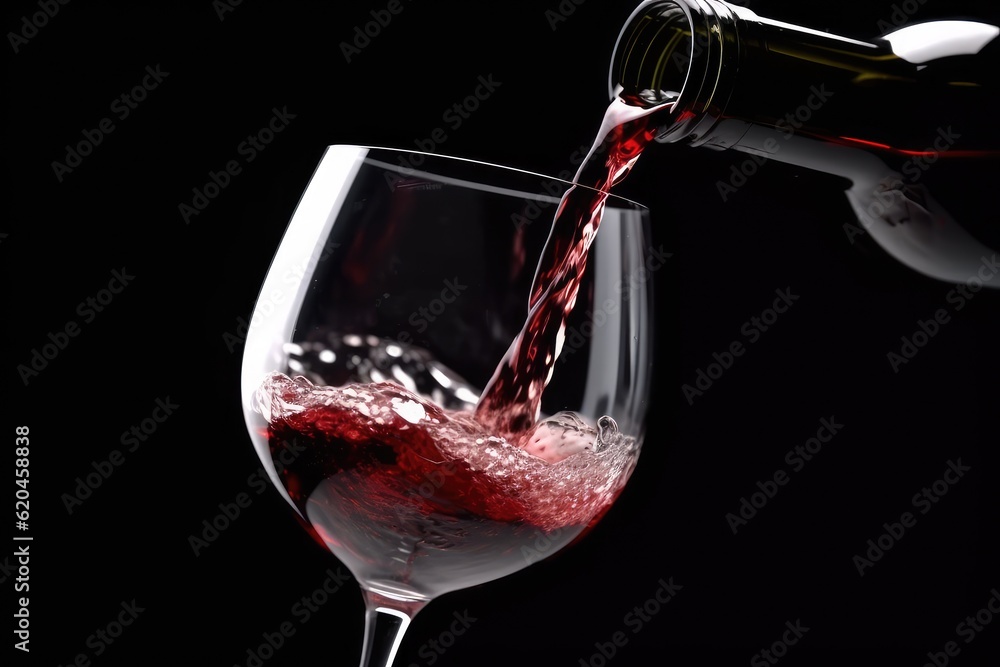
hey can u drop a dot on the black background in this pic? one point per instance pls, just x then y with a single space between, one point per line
163 337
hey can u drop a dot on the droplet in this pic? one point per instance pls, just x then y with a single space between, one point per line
607 428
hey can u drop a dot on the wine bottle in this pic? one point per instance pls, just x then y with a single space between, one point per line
880 113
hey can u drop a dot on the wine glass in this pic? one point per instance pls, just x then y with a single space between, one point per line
395 294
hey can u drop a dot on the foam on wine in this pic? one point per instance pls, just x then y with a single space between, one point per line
406 492
562 472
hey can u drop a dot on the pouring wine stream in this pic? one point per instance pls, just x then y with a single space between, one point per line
511 402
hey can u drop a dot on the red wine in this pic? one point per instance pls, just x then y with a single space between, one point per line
421 500
512 399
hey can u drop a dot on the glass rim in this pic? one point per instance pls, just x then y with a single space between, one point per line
490 165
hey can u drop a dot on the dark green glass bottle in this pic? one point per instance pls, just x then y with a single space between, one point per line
882 113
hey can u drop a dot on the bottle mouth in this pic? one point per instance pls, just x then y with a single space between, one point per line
683 53
652 59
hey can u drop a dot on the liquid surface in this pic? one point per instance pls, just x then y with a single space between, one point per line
405 491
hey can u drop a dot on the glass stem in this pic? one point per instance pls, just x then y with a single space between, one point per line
386 620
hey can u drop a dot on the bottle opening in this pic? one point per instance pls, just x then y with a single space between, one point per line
653 56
